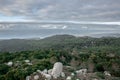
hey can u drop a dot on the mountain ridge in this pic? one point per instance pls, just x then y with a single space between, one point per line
56 42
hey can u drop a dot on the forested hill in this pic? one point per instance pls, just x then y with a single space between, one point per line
97 55
58 42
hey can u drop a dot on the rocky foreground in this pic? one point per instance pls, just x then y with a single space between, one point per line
60 72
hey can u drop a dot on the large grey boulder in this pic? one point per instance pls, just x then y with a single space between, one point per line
57 69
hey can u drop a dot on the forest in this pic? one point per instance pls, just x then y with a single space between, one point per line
95 54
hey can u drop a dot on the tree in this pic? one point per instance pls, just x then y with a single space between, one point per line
3 69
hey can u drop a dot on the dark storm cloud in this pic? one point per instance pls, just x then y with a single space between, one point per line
106 10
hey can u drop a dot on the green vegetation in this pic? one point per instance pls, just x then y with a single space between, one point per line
102 53
59 42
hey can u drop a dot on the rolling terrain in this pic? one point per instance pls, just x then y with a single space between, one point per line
57 42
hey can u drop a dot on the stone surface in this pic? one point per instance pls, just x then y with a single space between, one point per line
57 70
82 71
50 71
69 78
36 77
10 63
72 74
45 71
47 76
63 74
28 77
27 61
107 73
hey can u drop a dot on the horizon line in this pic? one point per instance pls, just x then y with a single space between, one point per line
63 22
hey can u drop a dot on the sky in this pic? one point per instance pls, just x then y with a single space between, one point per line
41 18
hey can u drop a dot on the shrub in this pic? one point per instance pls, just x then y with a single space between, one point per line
3 69
99 67
101 75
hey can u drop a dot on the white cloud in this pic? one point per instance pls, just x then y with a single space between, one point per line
84 27
45 26
79 22
105 23
64 27
100 23
5 26
53 26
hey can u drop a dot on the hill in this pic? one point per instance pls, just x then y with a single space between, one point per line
20 58
57 42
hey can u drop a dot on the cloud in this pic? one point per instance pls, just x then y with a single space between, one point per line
78 22
86 22
84 27
96 10
27 30
64 27
49 26
6 26
2 27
